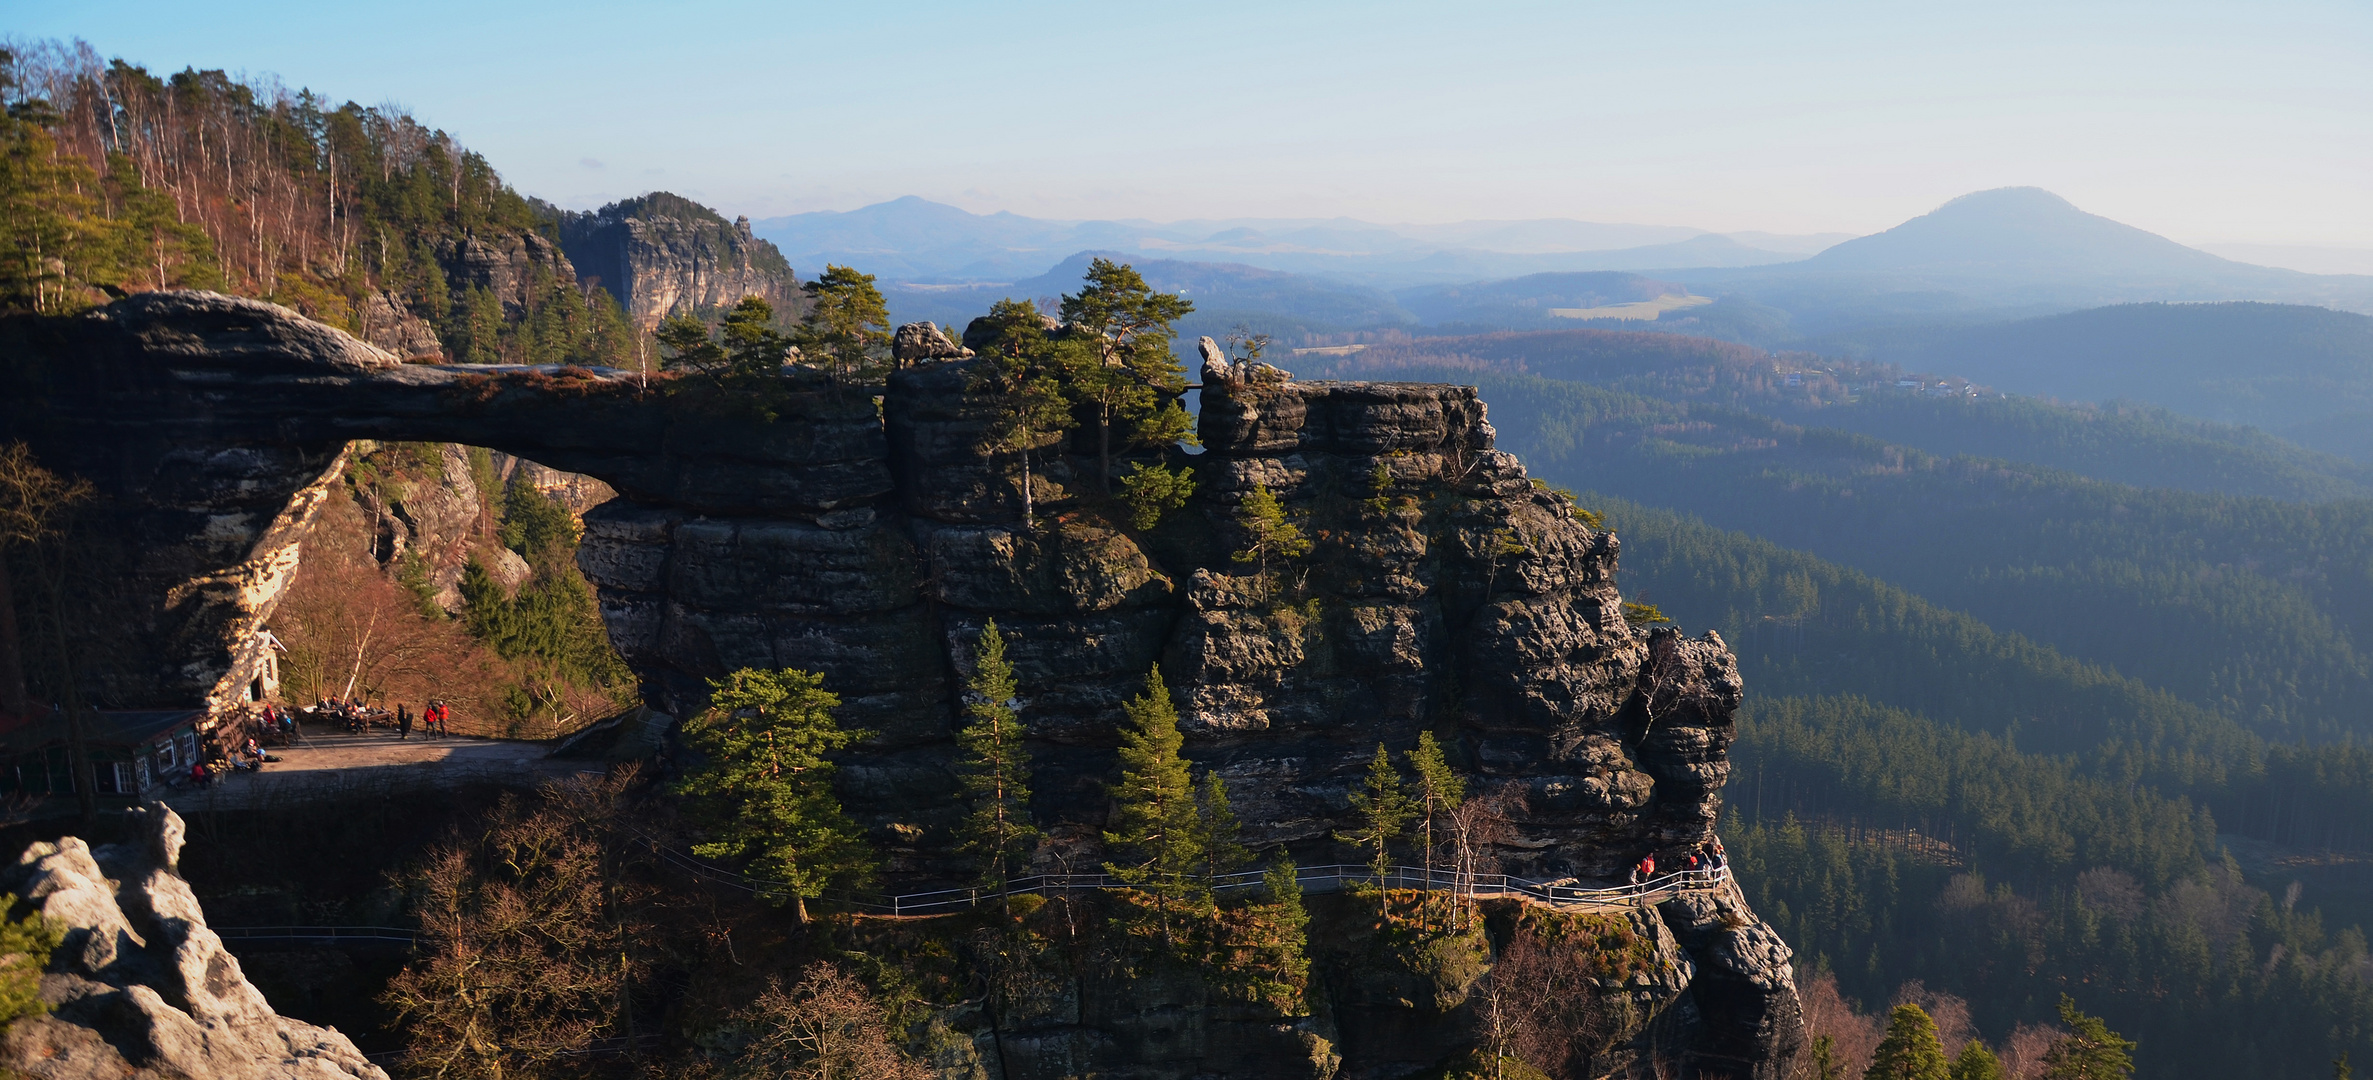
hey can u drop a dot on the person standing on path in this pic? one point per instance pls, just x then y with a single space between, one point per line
403 721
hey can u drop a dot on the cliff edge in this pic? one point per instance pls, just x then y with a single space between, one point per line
141 987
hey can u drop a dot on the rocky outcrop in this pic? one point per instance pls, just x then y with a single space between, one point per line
1445 592
387 323
918 341
663 255
511 266
141 987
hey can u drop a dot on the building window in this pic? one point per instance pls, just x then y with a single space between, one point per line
165 758
141 770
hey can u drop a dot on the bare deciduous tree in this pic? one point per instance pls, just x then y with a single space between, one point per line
535 939
827 1026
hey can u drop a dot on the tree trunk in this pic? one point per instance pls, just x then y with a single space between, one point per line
1104 450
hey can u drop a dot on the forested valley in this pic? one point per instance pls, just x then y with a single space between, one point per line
2043 698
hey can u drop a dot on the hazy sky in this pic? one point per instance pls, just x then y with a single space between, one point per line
2206 122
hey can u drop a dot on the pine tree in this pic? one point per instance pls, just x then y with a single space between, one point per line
1975 1062
1271 536
847 326
1384 811
1157 827
1911 1050
1440 790
1825 1063
1152 491
2090 1051
996 768
1020 378
1218 832
1280 962
1128 379
764 791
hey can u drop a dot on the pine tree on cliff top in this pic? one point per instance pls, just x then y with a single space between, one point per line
996 768
846 329
1911 1050
764 792
1129 379
1020 378
1157 831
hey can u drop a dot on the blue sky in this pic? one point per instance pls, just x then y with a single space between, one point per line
2223 122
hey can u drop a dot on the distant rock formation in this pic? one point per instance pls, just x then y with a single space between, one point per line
505 264
664 254
142 987
924 341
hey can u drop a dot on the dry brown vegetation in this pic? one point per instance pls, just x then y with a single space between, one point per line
351 631
537 935
824 1027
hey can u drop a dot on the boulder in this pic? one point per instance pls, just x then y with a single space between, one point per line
918 341
141 986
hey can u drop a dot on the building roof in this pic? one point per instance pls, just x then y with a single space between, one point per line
109 728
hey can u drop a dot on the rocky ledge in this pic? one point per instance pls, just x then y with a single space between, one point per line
141 987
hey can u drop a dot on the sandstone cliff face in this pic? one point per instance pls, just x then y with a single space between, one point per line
509 265
141 987
1446 593
663 255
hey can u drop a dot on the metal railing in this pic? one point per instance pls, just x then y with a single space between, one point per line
1560 893
1311 878
394 935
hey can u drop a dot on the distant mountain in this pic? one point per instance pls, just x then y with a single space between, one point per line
2003 250
915 240
2026 231
1224 294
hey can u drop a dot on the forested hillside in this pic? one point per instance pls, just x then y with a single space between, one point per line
1917 797
2252 607
2015 729
113 179
2121 442
2302 372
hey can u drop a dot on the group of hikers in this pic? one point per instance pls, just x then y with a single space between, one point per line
432 719
1707 856
358 716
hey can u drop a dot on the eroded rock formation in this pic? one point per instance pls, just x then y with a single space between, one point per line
663 255
141 987
1445 592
